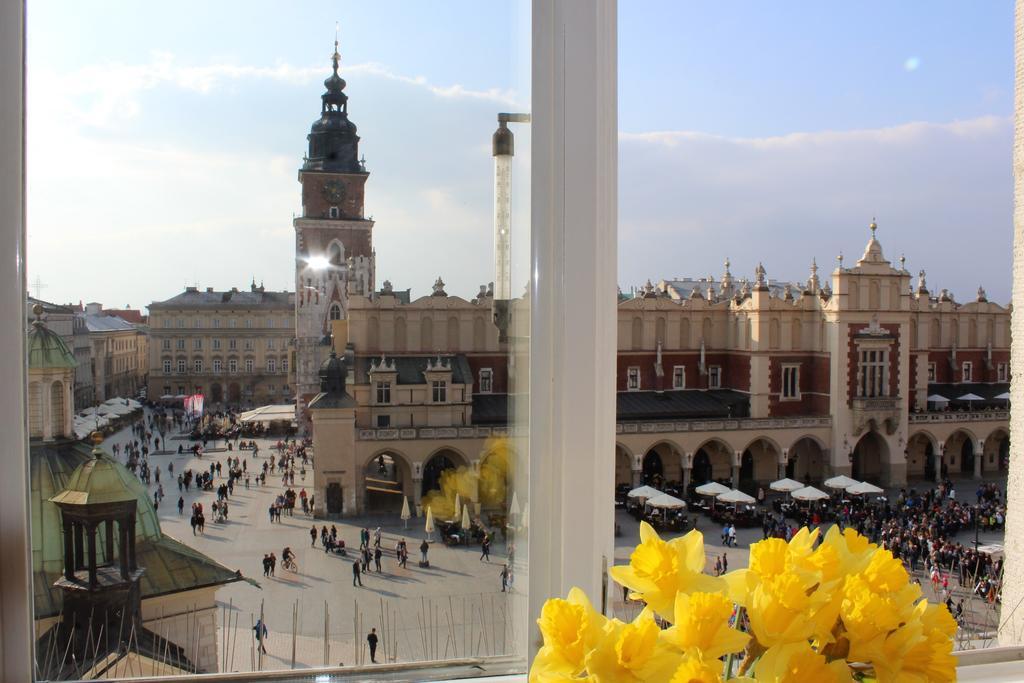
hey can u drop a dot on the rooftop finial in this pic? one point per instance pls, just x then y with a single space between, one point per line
873 226
335 58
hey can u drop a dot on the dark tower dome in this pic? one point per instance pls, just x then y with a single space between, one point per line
333 373
333 143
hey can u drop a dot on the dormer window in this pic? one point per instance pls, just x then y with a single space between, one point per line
439 391
332 212
335 312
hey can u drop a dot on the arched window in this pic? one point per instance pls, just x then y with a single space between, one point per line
336 254
335 312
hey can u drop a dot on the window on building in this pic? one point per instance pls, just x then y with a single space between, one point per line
167 323
179 344
873 373
232 365
166 345
790 381
248 365
248 323
216 344
181 322
181 366
270 343
931 372
335 313
271 388
197 323
271 365
197 344
217 366
679 377
384 392
270 322
232 344
1001 375
715 377
248 344
197 365
232 323
633 379
216 322
383 421
333 212
486 380
967 372
167 367
284 365
439 391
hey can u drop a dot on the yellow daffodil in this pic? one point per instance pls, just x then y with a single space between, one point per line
659 569
854 551
781 610
919 651
798 663
867 613
771 557
633 652
570 629
701 625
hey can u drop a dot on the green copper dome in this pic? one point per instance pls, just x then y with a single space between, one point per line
99 480
46 349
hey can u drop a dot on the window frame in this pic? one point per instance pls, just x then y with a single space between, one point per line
438 391
678 373
933 371
794 395
382 392
633 378
967 371
488 375
714 377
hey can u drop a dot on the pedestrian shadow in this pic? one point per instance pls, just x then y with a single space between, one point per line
434 568
387 594
396 578
290 582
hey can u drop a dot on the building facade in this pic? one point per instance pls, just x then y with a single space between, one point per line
119 350
69 322
233 346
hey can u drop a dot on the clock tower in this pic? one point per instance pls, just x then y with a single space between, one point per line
333 239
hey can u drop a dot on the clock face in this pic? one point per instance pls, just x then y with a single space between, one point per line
334 191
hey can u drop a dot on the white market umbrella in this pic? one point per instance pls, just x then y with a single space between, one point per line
936 398
736 497
458 506
666 501
841 482
429 526
513 508
809 493
786 485
1005 396
863 488
465 517
712 488
406 514
644 492
970 397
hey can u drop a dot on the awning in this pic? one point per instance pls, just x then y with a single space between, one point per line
863 488
809 493
712 488
735 496
1005 396
785 485
666 501
840 482
970 397
644 492
272 413
935 398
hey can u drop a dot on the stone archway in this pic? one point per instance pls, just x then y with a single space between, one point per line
712 461
759 464
662 465
436 465
922 459
652 469
806 461
387 478
869 456
996 459
958 454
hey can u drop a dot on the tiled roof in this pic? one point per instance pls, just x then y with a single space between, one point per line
410 368
490 409
230 299
107 323
684 404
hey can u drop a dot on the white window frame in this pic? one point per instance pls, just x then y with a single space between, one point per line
197 366
872 372
383 393
165 344
572 330
216 322
932 372
788 393
678 376
182 366
332 212
216 344
233 366
714 377
250 364
633 378
439 391
218 366
485 384
967 371
271 365
167 366
197 344
1001 374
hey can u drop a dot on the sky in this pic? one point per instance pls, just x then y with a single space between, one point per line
164 140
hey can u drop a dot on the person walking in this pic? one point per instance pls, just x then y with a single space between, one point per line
485 549
273 563
376 558
424 547
312 537
504 578
266 564
356 573
371 639
181 505
260 630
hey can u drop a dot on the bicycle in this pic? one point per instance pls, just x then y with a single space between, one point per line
290 565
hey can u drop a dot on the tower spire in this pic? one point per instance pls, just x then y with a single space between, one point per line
336 57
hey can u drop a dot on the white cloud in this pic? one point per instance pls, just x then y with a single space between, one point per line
941 192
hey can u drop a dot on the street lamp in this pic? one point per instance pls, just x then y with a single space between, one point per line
503 149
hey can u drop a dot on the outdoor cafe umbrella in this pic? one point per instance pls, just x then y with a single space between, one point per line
644 492
458 506
863 488
785 485
736 497
970 398
465 517
429 526
712 489
666 501
937 398
840 482
809 493
405 511
1005 396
